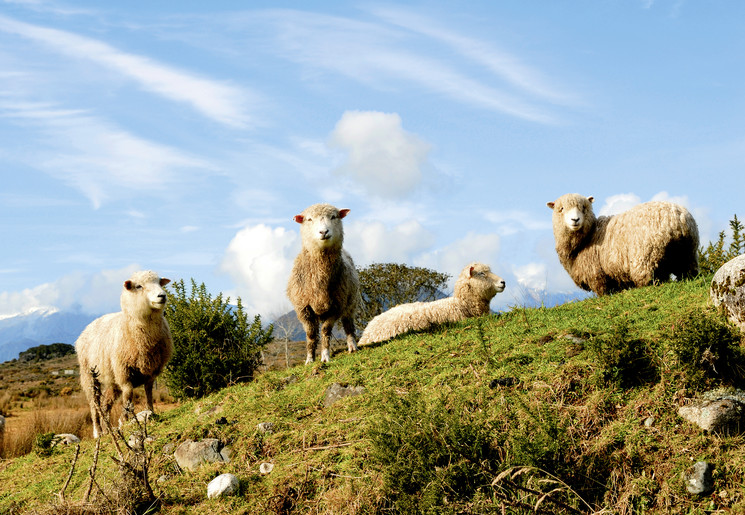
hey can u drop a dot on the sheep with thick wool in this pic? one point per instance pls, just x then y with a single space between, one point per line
648 242
475 288
324 285
126 349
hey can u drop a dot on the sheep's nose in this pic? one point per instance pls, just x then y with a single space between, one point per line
575 220
162 297
324 233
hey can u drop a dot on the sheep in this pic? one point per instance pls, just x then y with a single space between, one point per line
475 288
126 349
649 242
324 285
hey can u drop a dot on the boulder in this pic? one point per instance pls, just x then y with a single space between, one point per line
723 415
222 485
728 290
336 392
265 428
698 479
65 439
190 454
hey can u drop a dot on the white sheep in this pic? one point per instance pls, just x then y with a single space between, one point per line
324 285
127 349
475 288
648 242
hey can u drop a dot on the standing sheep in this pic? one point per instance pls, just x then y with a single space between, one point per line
127 349
474 289
648 242
323 286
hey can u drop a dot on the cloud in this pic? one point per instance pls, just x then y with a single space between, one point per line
514 221
381 155
93 156
259 260
219 101
451 259
92 293
375 242
381 56
618 204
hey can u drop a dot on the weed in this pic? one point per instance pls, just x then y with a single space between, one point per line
708 351
624 361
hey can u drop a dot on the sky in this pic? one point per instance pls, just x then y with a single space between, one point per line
183 136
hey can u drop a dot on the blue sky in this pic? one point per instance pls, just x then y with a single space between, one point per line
183 136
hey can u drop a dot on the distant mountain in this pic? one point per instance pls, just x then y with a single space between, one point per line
530 298
21 332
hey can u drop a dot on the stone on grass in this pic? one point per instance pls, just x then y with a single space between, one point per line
223 485
698 480
336 392
728 290
190 454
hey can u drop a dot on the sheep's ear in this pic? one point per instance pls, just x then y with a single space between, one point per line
470 272
591 199
550 204
128 285
343 213
298 218
164 281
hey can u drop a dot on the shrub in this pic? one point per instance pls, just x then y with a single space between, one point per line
715 255
708 351
384 285
215 345
623 360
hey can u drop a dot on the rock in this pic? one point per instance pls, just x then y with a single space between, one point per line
222 485
336 392
728 290
265 428
266 468
190 454
65 439
169 448
2 424
649 422
144 416
698 480
724 416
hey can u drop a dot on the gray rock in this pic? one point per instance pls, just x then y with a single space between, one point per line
728 290
336 392
169 448
144 416
723 416
222 485
265 428
266 468
649 422
190 454
698 480
65 439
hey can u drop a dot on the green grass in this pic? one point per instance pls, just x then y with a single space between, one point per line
471 418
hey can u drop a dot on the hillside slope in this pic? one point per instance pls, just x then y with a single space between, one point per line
472 418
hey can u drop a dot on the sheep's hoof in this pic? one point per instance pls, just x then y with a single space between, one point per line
325 356
309 360
352 347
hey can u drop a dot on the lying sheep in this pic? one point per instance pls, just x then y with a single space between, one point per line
324 286
475 288
127 349
649 242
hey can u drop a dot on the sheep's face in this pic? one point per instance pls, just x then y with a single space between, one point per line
321 226
480 280
572 212
143 293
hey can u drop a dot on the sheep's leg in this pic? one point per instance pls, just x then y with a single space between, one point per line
348 324
127 404
149 394
86 381
310 324
326 327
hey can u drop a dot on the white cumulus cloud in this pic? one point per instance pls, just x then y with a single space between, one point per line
376 242
381 156
259 260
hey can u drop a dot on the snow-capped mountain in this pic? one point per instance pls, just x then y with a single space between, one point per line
39 327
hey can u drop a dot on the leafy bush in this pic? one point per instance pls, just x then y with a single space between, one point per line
384 285
715 255
708 351
623 360
215 345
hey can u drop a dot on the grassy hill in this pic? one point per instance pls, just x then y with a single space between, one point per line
484 416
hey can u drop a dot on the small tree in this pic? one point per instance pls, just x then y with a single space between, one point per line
715 254
215 344
384 285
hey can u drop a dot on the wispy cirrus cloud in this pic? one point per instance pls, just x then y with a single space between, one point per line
382 54
92 155
216 100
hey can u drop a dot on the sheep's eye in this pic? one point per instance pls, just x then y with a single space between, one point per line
138 287
333 217
561 210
